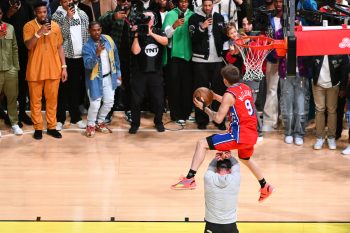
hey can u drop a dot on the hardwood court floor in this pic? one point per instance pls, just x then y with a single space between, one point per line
128 177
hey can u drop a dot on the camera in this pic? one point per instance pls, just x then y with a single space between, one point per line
142 21
120 8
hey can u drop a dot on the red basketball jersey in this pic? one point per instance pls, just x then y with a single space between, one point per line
242 115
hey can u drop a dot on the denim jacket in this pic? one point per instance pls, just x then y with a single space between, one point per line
9 50
93 66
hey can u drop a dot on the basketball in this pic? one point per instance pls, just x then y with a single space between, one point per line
205 93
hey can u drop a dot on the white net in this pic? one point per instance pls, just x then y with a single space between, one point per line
254 51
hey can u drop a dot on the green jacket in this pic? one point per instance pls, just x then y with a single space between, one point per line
9 50
180 41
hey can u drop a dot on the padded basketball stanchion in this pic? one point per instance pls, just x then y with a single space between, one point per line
292 56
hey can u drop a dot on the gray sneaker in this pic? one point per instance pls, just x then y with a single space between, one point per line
331 143
319 143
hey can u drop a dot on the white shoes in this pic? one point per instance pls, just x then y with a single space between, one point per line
80 124
319 143
260 139
16 130
346 151
59 126
288 139
331 143
298 141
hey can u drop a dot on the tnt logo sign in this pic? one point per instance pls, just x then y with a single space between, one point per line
151 50
345 43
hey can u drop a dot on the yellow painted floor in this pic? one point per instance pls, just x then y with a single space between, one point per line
165 227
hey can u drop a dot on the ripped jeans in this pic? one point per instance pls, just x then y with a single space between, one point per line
294 103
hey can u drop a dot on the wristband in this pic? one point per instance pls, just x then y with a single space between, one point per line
64 66
37 35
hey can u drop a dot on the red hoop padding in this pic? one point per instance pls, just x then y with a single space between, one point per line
318 40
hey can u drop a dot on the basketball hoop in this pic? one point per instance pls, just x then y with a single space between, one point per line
254 50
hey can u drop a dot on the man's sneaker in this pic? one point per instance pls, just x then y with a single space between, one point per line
331 143
16 130
59 126
80 124
319 143
38 134
128 116
90 131
260 139
54 133
346 151
298 141
102 127
184 184
160 127
288 139
180 122
265 192
191 119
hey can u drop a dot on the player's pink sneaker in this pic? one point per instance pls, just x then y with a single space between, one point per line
184 184
266 192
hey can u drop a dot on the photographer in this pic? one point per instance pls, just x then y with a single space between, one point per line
117 24
46 66
207 34
148 48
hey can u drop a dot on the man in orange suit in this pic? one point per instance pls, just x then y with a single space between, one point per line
46 66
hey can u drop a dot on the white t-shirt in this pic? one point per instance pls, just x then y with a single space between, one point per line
278 24
324 80
106 66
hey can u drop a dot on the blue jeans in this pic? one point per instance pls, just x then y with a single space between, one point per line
294 105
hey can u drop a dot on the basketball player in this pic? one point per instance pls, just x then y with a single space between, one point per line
238 103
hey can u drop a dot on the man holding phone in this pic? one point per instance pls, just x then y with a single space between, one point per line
46 66
206 29
102 76
74 24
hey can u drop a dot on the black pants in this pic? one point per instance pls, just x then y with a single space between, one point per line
180 89
220 228
142 84
69 91
23 92
208 75
340 116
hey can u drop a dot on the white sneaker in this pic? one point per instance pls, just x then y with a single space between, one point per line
59 126
80 124
319 143
181 122
331 143
298 141
288 139
260 139
191 119
346 151
16 130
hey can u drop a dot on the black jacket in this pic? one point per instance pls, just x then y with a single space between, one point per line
200 38
337 66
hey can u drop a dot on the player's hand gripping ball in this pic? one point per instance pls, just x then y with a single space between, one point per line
203 94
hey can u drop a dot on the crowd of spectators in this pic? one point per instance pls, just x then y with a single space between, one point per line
97 56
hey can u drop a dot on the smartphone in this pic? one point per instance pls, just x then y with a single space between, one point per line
181 15
3 26
102 43
209 16
71 5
